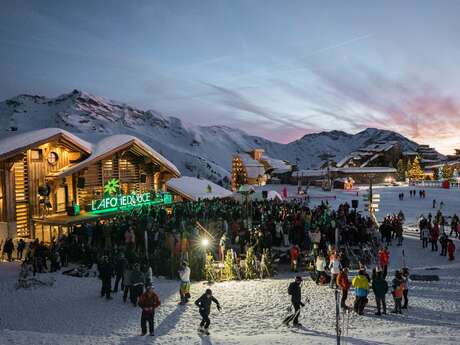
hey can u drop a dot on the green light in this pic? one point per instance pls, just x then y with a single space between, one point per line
128 202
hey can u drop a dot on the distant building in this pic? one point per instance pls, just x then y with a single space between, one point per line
256 168
382 154
428 155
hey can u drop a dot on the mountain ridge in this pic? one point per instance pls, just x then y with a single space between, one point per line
198 150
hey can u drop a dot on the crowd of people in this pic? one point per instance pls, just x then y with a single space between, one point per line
129 249
434 229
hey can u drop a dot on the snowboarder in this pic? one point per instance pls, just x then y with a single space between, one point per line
397 292
184 290
380 288
344 285
296 299
148 301
451 250
204 303
361 285
105 274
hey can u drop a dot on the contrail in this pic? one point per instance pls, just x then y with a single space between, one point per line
338 45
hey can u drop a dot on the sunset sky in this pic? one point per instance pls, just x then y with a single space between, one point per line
278 69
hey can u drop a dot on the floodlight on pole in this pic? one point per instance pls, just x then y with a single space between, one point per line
205 242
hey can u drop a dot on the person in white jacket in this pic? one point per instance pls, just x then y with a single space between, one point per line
184 291
425 233
320 267
334 267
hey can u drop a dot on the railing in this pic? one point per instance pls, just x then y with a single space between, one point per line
434 184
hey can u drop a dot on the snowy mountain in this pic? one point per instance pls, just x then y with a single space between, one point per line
198 150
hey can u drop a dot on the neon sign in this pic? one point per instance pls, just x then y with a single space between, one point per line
114 202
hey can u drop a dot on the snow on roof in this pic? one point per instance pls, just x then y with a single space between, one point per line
26 140
113 143
309 173
276 163
440 165
367 170
195 188
248 161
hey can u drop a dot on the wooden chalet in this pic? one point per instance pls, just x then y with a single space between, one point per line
51 180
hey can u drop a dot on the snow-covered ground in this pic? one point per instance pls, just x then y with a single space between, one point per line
71 312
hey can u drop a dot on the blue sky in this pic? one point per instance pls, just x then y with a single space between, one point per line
278 69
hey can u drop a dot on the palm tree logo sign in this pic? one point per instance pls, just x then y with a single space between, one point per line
112 186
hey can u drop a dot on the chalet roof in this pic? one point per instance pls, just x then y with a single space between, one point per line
194 188
109 145
13 145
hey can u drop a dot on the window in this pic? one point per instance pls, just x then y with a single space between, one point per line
36 154
52 158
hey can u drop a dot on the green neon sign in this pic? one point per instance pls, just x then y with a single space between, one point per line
114 201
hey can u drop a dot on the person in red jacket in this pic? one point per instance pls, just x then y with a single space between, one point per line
451 249
344 284
384 260
294 252
434 238
148 301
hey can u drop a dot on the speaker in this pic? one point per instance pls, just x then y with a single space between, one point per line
81 182
143 178
354 203
264 194
43 190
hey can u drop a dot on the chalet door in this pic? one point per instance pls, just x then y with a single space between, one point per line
61 199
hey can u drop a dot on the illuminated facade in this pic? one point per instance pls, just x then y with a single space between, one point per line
50 179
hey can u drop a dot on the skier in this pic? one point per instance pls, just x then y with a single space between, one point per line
344 285
105 274
184 290
148 301
397 292
380 288
204 303
451 249
361 285
296 299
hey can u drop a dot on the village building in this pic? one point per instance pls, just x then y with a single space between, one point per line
257 168
51 180
382 154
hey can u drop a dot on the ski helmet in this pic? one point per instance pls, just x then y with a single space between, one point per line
208 292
